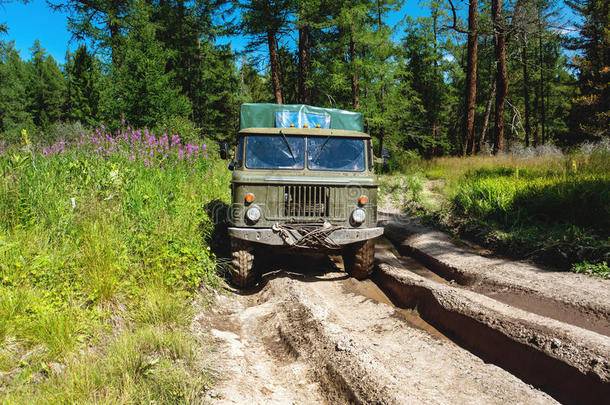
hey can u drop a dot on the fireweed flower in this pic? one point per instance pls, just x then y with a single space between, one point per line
135 145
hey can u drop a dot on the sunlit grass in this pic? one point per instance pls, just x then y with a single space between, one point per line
556 208
101 259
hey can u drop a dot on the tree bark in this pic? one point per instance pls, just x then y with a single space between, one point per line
526 91
501 75
352 57
540 58
275 70
492 93
304 89
471 78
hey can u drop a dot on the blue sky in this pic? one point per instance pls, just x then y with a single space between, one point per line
35 20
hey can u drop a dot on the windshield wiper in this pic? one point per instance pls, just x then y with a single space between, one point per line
288 146
322 147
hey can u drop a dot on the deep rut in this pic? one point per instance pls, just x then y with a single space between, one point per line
311 334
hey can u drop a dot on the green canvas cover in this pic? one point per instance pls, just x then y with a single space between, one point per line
282 115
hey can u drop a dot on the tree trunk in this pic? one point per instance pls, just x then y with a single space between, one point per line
501 75
304 89
352 57
471 78
526 91
382 95
275 70
540 58
492 93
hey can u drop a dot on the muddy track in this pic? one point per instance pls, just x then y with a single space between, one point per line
310 334
576 299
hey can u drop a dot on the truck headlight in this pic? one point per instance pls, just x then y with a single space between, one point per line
358 216
253 214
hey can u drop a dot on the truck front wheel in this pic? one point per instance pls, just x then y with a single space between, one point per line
242 258
359 258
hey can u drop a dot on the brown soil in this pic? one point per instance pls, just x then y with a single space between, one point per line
577 299
310 334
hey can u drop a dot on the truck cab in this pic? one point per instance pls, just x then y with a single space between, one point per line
302 179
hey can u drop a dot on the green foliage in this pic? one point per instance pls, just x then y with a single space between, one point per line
115 272
82 90
139 89
402 189
591 114
13 98
44 88
552 209
179 125
601 270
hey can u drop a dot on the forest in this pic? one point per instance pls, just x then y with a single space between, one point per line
469 77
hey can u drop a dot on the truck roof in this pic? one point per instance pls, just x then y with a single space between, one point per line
305 132
265 115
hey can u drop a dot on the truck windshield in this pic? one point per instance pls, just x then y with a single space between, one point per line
343 154
323 153
271 152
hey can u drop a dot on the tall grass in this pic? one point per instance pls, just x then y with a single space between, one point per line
102 249
554 207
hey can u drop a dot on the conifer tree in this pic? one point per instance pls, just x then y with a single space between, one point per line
13 97
83 82
45 88
139 89
591 110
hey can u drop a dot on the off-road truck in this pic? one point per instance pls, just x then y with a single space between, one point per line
302 179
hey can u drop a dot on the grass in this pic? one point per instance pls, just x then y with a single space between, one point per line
553 209
103 253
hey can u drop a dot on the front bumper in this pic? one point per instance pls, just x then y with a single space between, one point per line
274 237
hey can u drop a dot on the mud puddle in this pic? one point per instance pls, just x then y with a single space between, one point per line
370 290
549 309
503 293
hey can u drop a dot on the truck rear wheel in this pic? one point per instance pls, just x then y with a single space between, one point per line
359 259
242 258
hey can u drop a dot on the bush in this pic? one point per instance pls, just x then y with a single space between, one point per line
182 126
601 270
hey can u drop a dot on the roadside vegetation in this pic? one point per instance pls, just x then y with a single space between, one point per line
541 205
103 252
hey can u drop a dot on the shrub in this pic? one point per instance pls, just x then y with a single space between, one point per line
601 270
182 126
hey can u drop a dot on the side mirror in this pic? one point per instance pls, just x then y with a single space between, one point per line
232 166
224 150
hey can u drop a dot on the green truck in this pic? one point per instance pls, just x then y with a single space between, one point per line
303 179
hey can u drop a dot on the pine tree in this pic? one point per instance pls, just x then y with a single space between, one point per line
591 110
83 95
265 21
140 89
45 88
13 98
100 21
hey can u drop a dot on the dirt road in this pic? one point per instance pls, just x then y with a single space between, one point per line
310 334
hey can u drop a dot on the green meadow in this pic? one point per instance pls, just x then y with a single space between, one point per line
104 257
554 209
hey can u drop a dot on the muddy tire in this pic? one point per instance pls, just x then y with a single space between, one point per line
359 259
243 274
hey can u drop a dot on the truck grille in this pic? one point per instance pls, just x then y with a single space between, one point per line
306 201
